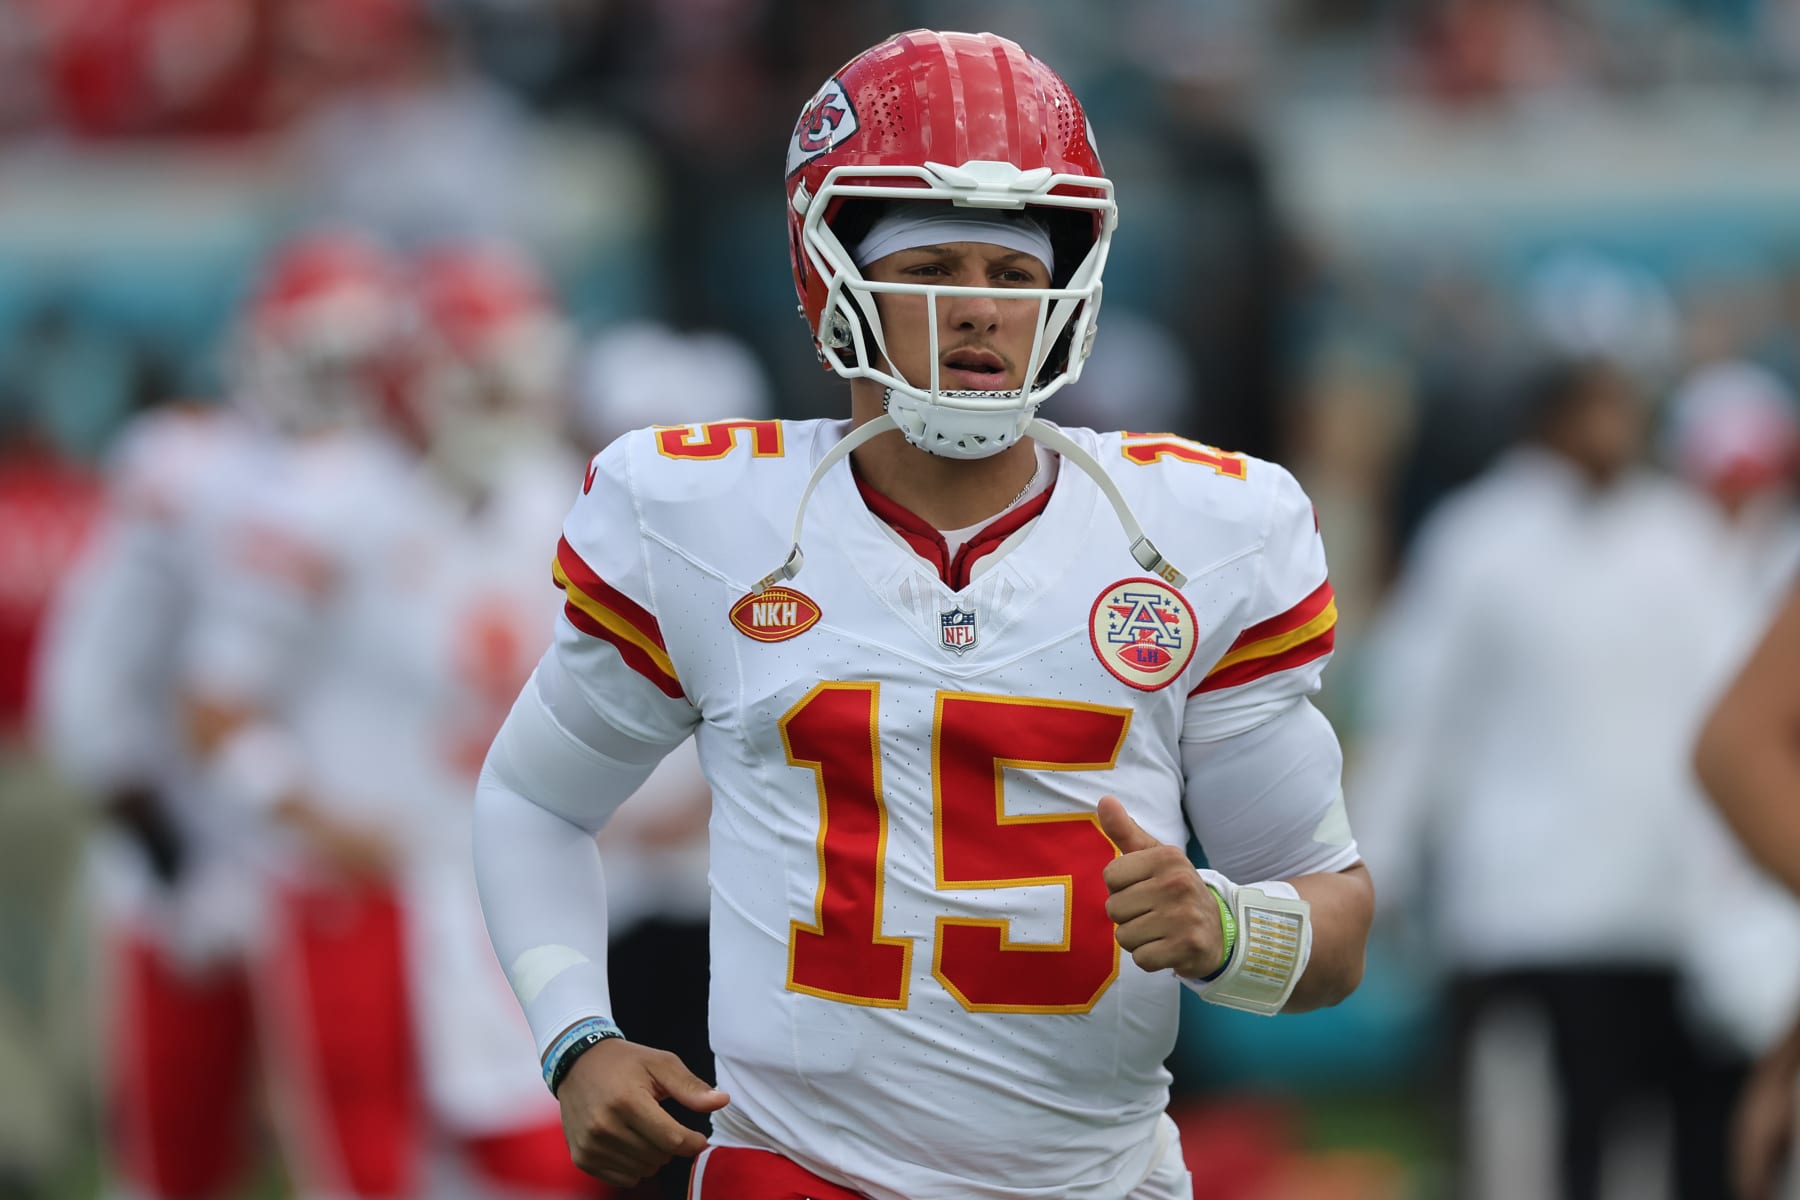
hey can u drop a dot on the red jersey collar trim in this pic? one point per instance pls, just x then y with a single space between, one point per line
930 544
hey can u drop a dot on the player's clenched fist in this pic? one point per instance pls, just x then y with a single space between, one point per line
612 1110
1167 916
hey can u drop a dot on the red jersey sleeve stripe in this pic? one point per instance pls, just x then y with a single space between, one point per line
1297 636
631 652
583 577
1317 602
1249 670
594 613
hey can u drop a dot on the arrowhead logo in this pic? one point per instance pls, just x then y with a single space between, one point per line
827 120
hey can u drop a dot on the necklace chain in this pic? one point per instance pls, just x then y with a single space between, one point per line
1028 483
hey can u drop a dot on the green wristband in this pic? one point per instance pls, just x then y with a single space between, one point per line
1228 927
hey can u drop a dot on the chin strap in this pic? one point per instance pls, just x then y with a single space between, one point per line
1142 549
856 437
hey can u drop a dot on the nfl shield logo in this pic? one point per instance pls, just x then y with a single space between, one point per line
956 629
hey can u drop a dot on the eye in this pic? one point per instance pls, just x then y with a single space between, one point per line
1016 275
927 270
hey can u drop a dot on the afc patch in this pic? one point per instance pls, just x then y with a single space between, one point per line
956 630
774 615
1143 631
827 119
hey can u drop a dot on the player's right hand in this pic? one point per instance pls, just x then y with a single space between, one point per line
356 853
612 1111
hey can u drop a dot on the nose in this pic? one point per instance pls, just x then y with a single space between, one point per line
970 314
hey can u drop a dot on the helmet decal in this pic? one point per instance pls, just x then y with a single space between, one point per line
827 119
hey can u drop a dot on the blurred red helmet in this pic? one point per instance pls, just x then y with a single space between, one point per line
493 352
491 329
975 121
1734 430
320 341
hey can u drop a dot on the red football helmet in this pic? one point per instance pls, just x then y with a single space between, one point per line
973 120
493 353
320 342
1734 430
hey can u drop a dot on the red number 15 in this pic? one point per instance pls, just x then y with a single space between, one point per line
841 955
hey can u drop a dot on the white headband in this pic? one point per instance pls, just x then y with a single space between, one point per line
910 224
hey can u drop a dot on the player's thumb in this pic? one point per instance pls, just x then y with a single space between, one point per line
1125 833
686 1088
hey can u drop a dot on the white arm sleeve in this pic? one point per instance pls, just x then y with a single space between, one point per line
1268 803
554 775
104 659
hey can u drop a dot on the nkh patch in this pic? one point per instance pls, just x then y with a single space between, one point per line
1143 631
956 629
774 615
827 119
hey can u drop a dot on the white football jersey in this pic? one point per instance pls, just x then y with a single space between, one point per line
386 625
383 622
109 664
916 989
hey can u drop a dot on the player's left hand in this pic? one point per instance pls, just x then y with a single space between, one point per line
1166 915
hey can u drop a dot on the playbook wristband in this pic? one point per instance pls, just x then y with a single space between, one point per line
571 1044
1274 942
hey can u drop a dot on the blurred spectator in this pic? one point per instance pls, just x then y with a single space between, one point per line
1530 692
130 68
405 137
1471 51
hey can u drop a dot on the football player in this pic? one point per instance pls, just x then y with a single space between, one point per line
352 720
176 902
956 747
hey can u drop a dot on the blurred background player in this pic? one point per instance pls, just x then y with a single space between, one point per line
1732 432
175 894
1529 697
632 375
352 726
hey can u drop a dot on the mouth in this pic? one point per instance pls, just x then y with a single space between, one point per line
974 371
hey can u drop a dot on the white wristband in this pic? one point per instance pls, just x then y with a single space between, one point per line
1274 942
